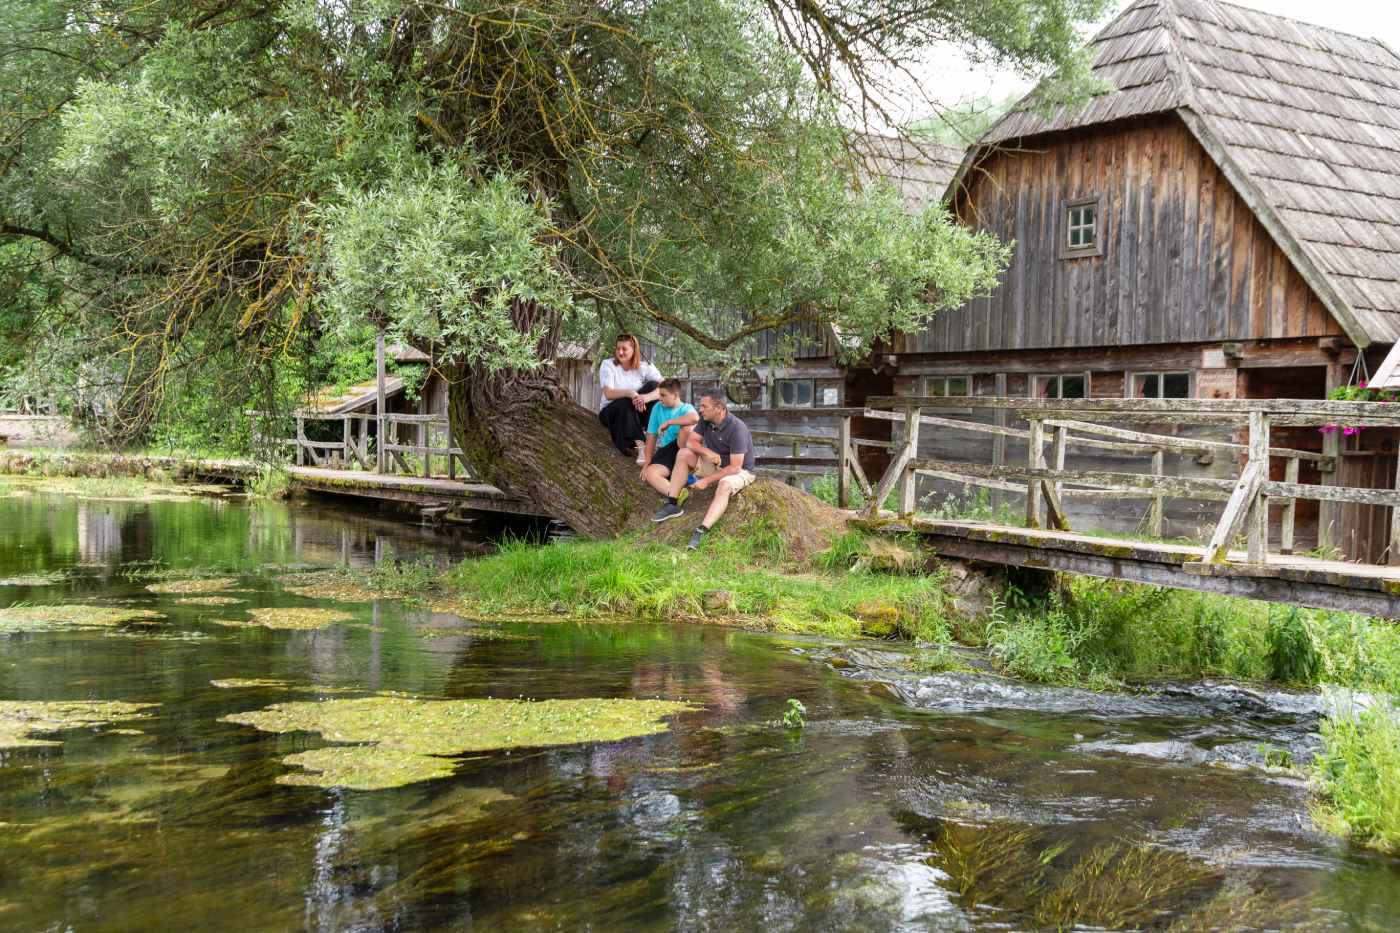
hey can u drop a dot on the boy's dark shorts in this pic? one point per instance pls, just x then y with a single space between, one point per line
666 456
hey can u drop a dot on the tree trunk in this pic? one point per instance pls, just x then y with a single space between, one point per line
522 433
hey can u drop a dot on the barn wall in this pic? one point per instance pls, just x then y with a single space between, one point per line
1183 258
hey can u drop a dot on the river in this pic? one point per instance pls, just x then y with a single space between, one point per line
908 801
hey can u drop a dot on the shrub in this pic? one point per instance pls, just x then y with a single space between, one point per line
1358 777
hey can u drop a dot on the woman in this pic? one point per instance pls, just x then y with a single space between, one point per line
629 391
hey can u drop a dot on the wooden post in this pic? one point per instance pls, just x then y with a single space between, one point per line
843 469
911 444
1290 508
425 435
1328 512
1000 418
1035 460
1258 521
1394 544
1154 511
346 442
380 378
301 441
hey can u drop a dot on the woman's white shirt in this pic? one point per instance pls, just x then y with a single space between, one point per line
613 376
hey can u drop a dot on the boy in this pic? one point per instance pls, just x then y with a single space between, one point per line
668 431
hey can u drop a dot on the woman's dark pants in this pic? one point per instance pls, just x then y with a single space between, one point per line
627 426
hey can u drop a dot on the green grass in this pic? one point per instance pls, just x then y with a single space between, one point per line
1358 778
1100 632
656 582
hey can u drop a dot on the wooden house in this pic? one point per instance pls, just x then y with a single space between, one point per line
1223 221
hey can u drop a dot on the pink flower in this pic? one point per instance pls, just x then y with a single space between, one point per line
1327 429
1362 383
1350 431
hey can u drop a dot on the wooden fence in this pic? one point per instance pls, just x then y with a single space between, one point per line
430 446
1064 423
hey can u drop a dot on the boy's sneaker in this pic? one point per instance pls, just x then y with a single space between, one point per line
692 479
695 539
667 511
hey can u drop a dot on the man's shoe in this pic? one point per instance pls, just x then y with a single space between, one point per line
695 539
667 511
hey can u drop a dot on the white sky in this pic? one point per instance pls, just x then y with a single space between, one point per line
952 80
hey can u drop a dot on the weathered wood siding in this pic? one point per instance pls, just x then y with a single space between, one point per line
1183 260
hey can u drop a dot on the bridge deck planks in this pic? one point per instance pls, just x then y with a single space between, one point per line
1305 581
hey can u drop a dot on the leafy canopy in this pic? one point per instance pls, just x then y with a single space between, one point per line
237 173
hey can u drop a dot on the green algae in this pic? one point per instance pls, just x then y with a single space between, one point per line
212 585
49 618
364 767
259 683
208 601
20 720
329 584
429 728
293 618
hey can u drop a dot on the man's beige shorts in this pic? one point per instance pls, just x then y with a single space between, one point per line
735 483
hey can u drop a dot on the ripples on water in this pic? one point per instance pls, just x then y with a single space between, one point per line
940 801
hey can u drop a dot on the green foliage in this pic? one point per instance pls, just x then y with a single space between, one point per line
1292 656
795 715
962 124
1358 777
1104 631
271 483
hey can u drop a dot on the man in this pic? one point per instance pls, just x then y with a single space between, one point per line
720 452
668 432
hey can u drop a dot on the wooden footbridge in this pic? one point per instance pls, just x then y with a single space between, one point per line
1055 426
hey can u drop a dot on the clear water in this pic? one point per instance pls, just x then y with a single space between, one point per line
908 801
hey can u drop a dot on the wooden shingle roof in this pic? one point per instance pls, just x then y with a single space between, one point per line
919 169
1303 120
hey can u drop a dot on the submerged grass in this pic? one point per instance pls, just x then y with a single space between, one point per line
733 578
21 720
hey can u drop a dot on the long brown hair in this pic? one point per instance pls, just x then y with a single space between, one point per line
636 349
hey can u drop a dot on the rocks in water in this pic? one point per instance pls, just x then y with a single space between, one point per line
877 619
719 603
970 589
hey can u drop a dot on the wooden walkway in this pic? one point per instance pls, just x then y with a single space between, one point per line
416 490
1302 581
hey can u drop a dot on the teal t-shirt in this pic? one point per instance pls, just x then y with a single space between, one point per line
660 413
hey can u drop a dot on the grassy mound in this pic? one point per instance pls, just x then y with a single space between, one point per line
786 523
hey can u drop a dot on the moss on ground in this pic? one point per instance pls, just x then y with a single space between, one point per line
21 720
51 618
395 729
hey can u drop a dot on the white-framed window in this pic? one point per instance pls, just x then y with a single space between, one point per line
1082 228
1060 385
794 393
948 386
1160 385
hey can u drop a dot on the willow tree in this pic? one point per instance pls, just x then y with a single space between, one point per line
479 179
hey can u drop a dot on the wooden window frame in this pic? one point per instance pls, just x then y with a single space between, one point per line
966 377
778 391
1130 381
1032 386
1089 249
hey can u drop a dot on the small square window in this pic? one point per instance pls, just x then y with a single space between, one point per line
1070 386
1161 385
948 386
1082 228
795 393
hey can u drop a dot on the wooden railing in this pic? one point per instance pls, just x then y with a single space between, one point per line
843 458
1070 422
356 444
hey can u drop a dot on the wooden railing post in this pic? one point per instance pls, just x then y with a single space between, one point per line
346 441
1394 545
1154 511
1035 460
1258 520
381 377
1290 507
843 459
911 445
301 441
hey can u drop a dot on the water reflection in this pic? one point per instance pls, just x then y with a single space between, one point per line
990 806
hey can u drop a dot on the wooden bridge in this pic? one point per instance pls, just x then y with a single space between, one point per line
1047 541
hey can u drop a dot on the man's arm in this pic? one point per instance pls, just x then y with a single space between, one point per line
735 465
